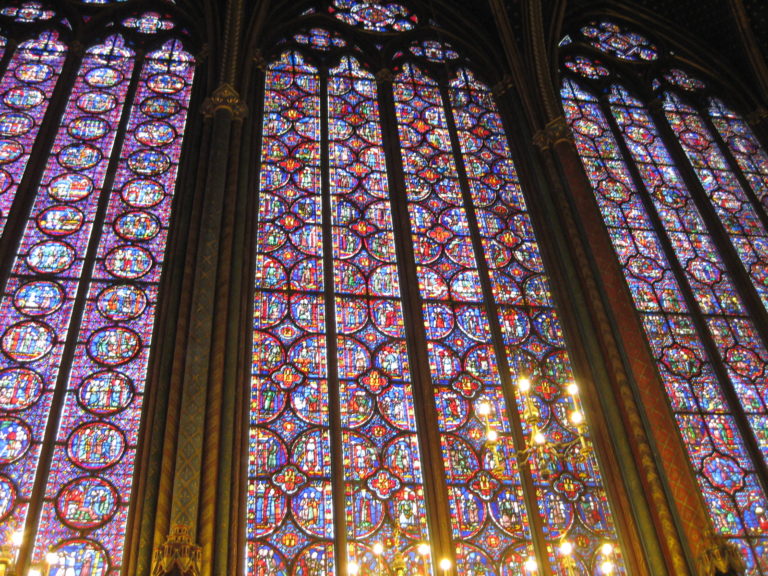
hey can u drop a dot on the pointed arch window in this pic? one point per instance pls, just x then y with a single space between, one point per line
679 179
90 142
399 298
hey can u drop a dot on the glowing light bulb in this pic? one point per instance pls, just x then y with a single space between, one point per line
566 548
51 557
378 549
607 549
524 385
17 538
759 511
492 436
424 549
353 568
539 438
34 572
577 418
607 567
445 564
573 388
483 408
531 565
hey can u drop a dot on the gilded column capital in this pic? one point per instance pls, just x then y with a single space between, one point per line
721 559
179 555
259 60
227 98
553 133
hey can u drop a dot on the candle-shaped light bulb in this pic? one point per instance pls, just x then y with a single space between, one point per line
531 565
445 565
607 549
353 568
483 409
524 385
577 418
607 567
566 548
51 557
539 438
424 549
378 549
492 435
17 538
573 388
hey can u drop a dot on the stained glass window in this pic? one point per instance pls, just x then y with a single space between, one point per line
710 354
77 309
372 397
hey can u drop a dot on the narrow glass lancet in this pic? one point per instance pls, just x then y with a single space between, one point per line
36 307
93 463
382 467
26 89
289 507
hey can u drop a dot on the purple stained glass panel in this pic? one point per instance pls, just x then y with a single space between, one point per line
36 307
93 463
25 90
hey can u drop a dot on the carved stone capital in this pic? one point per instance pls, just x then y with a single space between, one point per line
179 555
503 86
722 559
227 98
758 117
259 60
553 133
385 76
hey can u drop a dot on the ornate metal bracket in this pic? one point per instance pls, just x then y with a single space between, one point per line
227 98
723 559
179 556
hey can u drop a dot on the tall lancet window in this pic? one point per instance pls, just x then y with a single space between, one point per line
409 371
90 142
680 180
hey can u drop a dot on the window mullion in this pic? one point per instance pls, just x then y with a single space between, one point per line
697 317
60 388
331 336
505 373
715 227
436 494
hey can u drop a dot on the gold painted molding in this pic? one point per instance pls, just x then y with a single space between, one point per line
178 555
225 97
722 558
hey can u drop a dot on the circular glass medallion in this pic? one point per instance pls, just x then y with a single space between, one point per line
95 446
88 128
33 72
6 180
27 341
79 156
60 220
15 124
70 187
103 77
166 83
19 388
137 226
149 162
142 193
38 298
105 393
122 302
23 97
87 503
79 557
96 102
15 437
129 262
155 133
159 107
50 257
10 150
113 346
7 497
